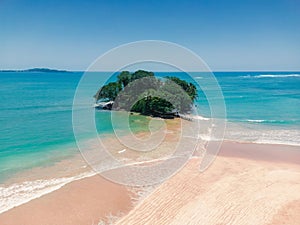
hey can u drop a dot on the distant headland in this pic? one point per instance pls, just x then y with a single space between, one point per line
39 70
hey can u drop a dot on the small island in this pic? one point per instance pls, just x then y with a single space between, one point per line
37 70
142 92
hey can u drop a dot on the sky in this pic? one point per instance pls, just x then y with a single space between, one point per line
227 34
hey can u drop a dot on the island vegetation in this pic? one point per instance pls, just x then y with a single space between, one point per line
144 93
37 70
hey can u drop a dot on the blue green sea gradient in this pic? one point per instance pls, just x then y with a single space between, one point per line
36 113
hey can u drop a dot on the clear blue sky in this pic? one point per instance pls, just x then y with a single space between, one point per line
228 34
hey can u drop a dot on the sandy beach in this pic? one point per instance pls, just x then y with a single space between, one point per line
86 201
246 184
149 112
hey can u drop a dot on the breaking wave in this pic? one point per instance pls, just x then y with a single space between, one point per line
272 76
20 193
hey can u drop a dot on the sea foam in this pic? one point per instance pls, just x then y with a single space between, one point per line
272 76
277 75
20 193
255 132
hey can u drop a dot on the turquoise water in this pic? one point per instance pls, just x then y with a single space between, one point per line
36 113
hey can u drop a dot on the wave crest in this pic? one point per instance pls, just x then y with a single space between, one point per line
20 193
272 76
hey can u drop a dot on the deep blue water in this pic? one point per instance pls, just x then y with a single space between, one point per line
36 112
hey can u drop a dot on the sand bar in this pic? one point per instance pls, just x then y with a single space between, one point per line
246 184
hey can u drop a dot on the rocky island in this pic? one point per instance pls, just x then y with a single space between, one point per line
144 93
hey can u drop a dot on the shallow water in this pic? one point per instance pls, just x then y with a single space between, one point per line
36 113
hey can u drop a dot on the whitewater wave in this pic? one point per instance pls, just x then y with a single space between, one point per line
20 193
272 76
256 132
277 75
244 138
201 118
193 117
270 121
256 121
263 141
287 122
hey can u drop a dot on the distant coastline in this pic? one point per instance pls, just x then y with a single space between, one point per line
48 70
39 70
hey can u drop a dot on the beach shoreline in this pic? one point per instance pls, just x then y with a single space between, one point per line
246 184
69 196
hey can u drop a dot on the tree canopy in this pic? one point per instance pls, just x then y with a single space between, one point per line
144 93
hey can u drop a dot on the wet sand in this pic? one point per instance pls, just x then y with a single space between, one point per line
246 184
82 202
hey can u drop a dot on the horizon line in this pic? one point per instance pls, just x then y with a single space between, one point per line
174 71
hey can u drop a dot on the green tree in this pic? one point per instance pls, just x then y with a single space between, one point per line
141 74
109 91
189 88
142 92
124 78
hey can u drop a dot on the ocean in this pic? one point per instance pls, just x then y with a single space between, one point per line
36 116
